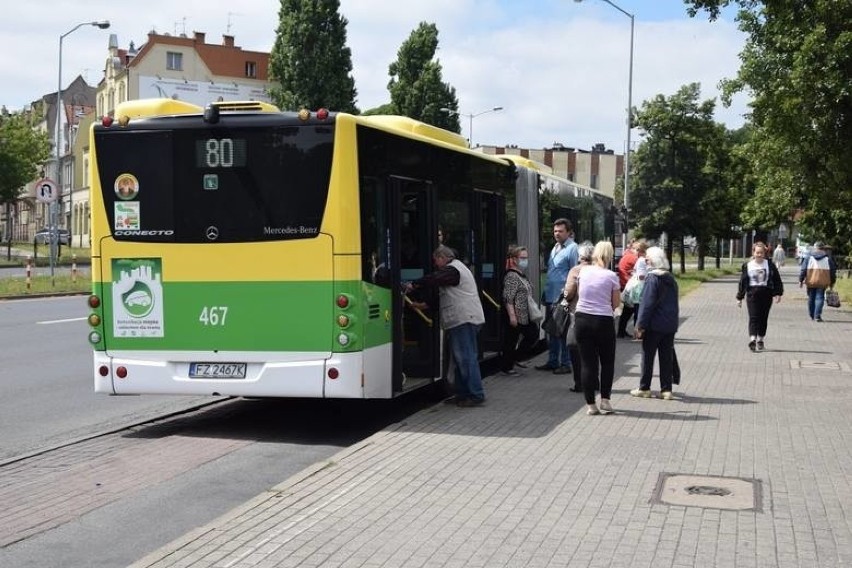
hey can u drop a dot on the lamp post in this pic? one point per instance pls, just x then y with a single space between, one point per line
629 105
470 117
102 24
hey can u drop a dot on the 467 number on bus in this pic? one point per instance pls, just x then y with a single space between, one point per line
213 315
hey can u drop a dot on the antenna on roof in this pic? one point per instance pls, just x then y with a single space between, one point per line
228 28
181 23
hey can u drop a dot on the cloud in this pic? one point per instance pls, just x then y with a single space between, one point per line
559 71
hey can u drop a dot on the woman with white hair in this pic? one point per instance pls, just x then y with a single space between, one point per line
657 324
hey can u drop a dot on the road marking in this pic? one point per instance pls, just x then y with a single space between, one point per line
59 321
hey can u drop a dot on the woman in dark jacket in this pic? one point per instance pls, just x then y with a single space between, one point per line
657 324
760 281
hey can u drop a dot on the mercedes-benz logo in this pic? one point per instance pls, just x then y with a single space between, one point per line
212 233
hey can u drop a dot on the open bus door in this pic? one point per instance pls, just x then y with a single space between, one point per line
489 244
416 331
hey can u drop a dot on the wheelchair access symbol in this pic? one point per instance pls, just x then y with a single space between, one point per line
46 191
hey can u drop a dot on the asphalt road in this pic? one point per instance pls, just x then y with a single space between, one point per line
59 505
46 379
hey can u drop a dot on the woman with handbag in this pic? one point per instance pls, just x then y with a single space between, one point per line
571 294
521 315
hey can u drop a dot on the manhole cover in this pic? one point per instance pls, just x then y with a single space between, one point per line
707 490
821 365
732 493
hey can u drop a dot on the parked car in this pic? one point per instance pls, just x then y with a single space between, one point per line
43 236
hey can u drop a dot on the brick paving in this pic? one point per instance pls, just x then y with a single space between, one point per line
530 480
44 491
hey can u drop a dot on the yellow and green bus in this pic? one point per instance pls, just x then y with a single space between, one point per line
239 250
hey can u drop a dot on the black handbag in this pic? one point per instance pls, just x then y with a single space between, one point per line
558 319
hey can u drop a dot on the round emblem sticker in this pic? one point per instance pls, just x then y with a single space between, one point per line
126 186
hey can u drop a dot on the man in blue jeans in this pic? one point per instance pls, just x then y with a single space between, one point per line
562 258
461 317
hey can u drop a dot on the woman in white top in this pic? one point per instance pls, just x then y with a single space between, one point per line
760 281
599 296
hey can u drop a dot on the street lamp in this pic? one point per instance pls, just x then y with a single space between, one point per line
629 104
470 117
102 24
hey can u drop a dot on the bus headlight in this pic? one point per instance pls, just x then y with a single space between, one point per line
94 338
343 339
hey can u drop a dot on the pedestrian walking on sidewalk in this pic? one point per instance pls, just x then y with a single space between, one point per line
461 317
563 257
585 251
517 323
779 257
818 272
657 324
599 296
760 281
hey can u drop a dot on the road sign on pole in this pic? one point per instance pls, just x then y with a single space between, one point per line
46 190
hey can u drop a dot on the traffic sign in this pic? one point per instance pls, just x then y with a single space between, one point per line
46 190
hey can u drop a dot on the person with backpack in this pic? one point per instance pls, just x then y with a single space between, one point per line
818 272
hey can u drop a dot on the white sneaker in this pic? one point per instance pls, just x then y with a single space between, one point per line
666 395
592 410
606 407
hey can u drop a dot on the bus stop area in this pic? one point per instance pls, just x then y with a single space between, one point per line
750 465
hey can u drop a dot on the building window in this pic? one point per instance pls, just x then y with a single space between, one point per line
251 69
594 182
174 61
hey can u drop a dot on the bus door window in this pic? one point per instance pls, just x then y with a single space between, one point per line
375 256
412 234
490 247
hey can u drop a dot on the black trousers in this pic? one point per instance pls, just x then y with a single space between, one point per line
627 312
596 341
512 352
758 302
654 342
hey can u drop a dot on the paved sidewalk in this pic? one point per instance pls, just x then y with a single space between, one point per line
531 480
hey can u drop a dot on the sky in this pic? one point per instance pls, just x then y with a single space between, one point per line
558 68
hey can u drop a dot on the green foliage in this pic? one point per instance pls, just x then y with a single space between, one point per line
416 86
22 153
690 177
797 65
310 61
386 108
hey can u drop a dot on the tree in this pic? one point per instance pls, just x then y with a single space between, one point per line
310 61
797 64
416 86
671 178
22 153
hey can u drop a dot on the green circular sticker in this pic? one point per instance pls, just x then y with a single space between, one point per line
139 300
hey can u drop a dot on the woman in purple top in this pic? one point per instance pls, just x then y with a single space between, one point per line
600 295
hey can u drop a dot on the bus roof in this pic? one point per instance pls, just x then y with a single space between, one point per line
139 108
526 162
407 124
411 128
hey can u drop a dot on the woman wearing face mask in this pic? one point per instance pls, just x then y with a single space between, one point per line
517 292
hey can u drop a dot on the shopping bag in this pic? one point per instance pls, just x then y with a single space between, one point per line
536 315
559 319
632 294
832 298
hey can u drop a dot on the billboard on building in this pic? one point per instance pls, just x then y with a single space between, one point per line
200 92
